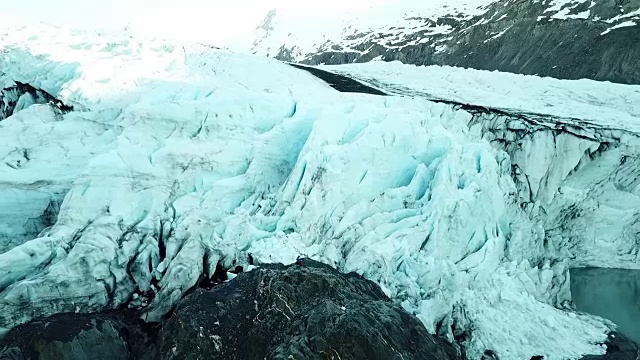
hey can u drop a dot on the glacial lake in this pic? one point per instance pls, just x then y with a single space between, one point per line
613 294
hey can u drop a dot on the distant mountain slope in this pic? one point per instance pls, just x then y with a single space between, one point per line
567 39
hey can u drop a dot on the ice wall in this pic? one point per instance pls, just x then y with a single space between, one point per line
395 189
578 181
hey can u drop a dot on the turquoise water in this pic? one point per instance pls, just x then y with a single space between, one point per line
613 294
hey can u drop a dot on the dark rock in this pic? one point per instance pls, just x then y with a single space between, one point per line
618 348
340 83
273 312
9 99
489 355
219 275
301 312
110 335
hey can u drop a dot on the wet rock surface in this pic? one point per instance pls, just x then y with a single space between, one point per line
308 311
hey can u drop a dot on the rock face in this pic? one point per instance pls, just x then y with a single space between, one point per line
525 37
275 312
107 336
562 39
618 348
308 312
20 96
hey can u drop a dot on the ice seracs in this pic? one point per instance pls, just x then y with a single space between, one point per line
572 158
186 157
42 154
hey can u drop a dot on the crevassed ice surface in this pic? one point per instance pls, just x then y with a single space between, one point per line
573 145
601 104
180 157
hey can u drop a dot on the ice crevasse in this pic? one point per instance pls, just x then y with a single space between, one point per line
178 158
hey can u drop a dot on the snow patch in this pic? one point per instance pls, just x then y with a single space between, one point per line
618 26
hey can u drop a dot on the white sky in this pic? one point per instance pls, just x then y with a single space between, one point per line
213 21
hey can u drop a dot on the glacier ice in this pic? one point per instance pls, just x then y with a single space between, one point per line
605 105
41 156
179 158
573 146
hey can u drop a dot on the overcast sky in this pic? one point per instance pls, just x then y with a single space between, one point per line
198 20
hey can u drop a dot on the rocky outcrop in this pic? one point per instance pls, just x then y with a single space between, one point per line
618 348
20 96
304 311
308 312
109 335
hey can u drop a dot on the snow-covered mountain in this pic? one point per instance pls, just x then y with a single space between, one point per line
568 39
466 197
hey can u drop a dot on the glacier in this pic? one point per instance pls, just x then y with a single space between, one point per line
573 146
179 157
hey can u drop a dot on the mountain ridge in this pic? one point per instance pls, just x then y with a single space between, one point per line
566 39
